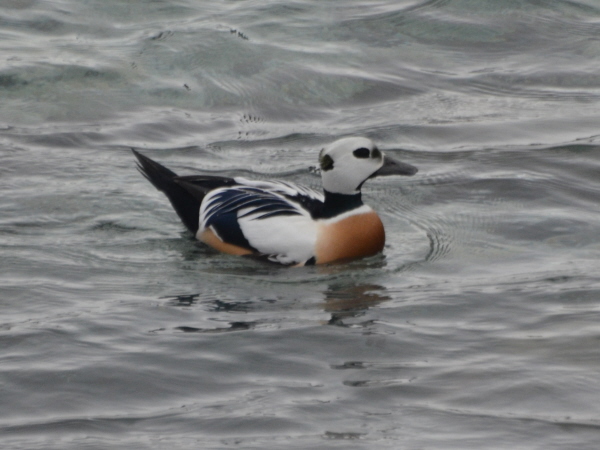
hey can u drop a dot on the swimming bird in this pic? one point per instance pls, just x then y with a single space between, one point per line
279 221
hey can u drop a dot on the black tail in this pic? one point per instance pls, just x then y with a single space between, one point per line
187 206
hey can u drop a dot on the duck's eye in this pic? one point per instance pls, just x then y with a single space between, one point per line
326 163
376 153
361 152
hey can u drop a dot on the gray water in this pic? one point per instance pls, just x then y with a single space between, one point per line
478 326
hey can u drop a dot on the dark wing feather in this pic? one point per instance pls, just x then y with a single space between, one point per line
186 205
305 198
256 200
184 193
223 207
199 185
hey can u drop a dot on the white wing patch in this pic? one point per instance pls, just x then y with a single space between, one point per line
284 239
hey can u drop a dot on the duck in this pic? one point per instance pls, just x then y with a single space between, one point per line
281 222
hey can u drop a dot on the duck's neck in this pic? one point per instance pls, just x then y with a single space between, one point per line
336 204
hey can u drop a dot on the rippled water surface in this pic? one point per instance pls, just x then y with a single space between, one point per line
478 326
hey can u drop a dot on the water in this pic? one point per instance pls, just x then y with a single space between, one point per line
477 327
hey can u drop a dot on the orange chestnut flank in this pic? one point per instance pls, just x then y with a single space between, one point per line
279 221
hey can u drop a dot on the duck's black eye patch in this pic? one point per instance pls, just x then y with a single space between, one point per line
361 152
326 162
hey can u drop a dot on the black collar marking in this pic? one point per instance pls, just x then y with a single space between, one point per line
336 204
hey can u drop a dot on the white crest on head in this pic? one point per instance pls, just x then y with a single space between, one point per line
347 163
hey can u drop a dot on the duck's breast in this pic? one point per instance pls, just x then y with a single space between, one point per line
350 236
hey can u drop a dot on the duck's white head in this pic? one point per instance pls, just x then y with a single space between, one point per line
347 163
